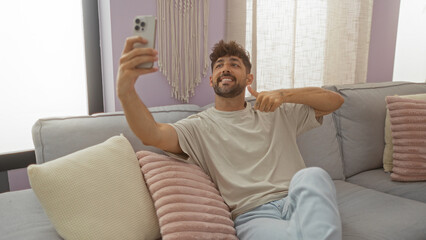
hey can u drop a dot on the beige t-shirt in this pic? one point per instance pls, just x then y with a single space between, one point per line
250 155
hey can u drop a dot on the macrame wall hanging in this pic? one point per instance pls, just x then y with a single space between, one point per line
182 44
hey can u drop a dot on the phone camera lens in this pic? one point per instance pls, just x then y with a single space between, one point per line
137 21
142 24
137 28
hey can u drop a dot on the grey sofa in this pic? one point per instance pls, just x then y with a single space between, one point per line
349 146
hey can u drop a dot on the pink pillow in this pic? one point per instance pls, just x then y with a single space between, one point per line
187 203
408 127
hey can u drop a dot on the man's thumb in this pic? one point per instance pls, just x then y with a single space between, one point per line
252 91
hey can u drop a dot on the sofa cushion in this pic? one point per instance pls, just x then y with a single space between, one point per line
57 137
319 148
22 217
187 202
388 152
369 214
360 122
379 180
96 193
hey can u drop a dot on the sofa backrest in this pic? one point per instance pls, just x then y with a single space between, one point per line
57 137
349 142
360 122
319 148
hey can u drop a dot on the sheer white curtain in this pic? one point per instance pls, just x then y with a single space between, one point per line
298 43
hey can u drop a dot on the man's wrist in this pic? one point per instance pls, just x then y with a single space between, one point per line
285 95
126 96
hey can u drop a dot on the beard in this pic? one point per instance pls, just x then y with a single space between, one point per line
228 92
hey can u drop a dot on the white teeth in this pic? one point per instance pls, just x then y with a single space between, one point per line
226 80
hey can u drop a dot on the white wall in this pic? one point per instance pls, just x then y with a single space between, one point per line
106 53
410 53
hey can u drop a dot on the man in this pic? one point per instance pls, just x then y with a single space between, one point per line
250 153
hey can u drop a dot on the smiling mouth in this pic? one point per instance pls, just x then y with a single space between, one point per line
226 79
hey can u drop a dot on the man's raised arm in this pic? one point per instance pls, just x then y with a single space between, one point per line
139 118
321 100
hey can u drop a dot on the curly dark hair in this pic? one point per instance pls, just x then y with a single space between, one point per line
232 48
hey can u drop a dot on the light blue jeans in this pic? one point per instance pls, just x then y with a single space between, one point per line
308 212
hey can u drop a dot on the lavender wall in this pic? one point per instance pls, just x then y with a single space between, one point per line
155 91
384 26
154 88
18 179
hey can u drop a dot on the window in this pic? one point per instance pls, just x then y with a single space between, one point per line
410 53
43 66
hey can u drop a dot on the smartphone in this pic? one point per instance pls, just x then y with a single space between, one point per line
145 26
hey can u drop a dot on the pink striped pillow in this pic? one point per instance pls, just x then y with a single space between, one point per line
187 203
408 127
388 151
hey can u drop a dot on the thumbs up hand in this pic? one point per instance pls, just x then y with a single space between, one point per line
267 101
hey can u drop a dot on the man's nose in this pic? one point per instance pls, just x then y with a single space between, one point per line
225 71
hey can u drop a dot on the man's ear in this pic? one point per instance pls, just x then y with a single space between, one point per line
211 81
249 79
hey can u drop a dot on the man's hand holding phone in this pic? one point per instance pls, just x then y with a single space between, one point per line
131 58
138 55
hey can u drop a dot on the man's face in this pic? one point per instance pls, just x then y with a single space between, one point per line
229 78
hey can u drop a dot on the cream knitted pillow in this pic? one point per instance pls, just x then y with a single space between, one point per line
96 193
